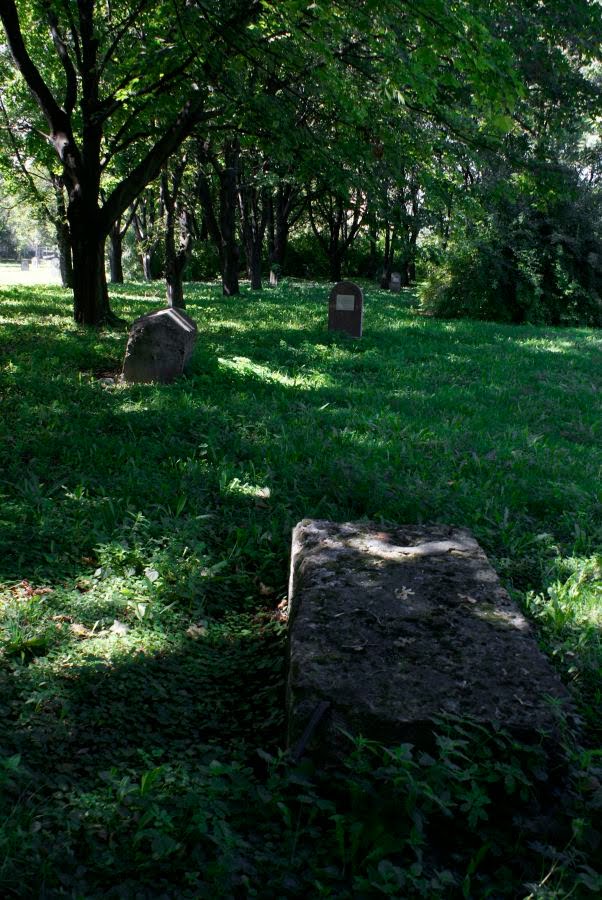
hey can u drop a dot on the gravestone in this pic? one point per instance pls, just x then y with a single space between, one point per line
25 265
395 282
159 346
391 628
346 308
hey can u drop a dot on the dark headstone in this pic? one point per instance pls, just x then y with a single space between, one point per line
25 265
159 346
392 628
395 282
346 308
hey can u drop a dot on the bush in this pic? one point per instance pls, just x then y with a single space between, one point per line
481 280
527 252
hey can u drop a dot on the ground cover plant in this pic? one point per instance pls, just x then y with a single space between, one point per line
144 541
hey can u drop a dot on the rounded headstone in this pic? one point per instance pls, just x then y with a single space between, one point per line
346 308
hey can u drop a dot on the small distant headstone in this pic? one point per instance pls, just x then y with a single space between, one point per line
395 282
25 265
346 308
159 346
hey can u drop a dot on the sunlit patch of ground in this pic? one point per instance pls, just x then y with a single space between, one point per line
45 273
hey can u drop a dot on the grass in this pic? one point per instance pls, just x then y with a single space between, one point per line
144 542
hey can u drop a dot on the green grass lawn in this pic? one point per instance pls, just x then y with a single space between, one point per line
144 542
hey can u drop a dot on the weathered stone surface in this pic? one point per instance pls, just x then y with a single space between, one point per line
394 627
346 308
159 346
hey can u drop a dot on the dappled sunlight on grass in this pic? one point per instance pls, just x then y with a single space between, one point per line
164 512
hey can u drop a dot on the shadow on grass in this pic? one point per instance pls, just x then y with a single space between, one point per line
96 712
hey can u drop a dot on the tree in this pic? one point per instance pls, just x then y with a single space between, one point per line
219 206
124 93
177 216
31 178
147 222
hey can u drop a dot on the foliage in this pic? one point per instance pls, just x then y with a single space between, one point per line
529 251
144 544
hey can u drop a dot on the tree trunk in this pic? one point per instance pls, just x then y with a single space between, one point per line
508 286
271 238
173 277
175 288
373 237
385 280
230 253
335 264
255 266
230 262
116 254
146 261
90 294
145 232
281 231
254 213
63 239
175 260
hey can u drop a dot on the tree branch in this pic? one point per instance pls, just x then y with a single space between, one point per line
150 166
42 94
63 53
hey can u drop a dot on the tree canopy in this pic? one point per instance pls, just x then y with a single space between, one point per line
377 118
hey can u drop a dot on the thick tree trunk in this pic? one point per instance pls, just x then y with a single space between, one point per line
175 288
116 254
255 266
90 294
230 258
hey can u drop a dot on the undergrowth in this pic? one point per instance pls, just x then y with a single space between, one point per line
144 543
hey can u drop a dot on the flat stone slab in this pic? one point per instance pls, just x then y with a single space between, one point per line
395 627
